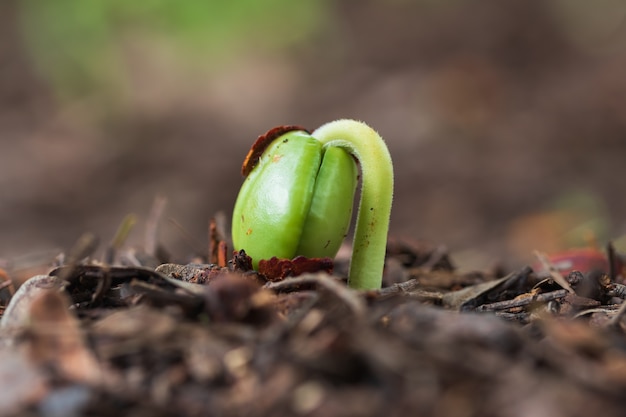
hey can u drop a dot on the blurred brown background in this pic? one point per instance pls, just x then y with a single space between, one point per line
506 119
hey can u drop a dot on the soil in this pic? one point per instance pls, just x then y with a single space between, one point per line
200 339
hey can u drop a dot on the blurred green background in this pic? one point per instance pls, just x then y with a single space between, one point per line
506 119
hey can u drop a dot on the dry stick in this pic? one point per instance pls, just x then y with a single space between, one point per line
409 289
613 257
152 225
350 297
104 283
84 246
127 224
541 298
222 254
214 240
218 245
554 273
218 248
401 287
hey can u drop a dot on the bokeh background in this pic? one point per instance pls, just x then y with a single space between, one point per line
506 119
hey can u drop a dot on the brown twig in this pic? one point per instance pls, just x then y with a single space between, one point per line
152 225
218 248
84 247
350 297
401 287
214 240
554 273
104 285
520 302
127 224
222 254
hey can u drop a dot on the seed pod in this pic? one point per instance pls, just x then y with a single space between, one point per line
296 200
297 197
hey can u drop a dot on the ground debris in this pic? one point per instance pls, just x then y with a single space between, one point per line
202 339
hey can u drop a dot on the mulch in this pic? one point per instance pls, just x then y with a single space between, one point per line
135 337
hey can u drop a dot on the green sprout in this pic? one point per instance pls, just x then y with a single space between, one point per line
298 195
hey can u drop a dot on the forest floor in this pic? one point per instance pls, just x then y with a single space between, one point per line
131 338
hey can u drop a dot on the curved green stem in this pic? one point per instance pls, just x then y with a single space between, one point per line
372 224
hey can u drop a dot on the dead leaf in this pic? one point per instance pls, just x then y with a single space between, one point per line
276 269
